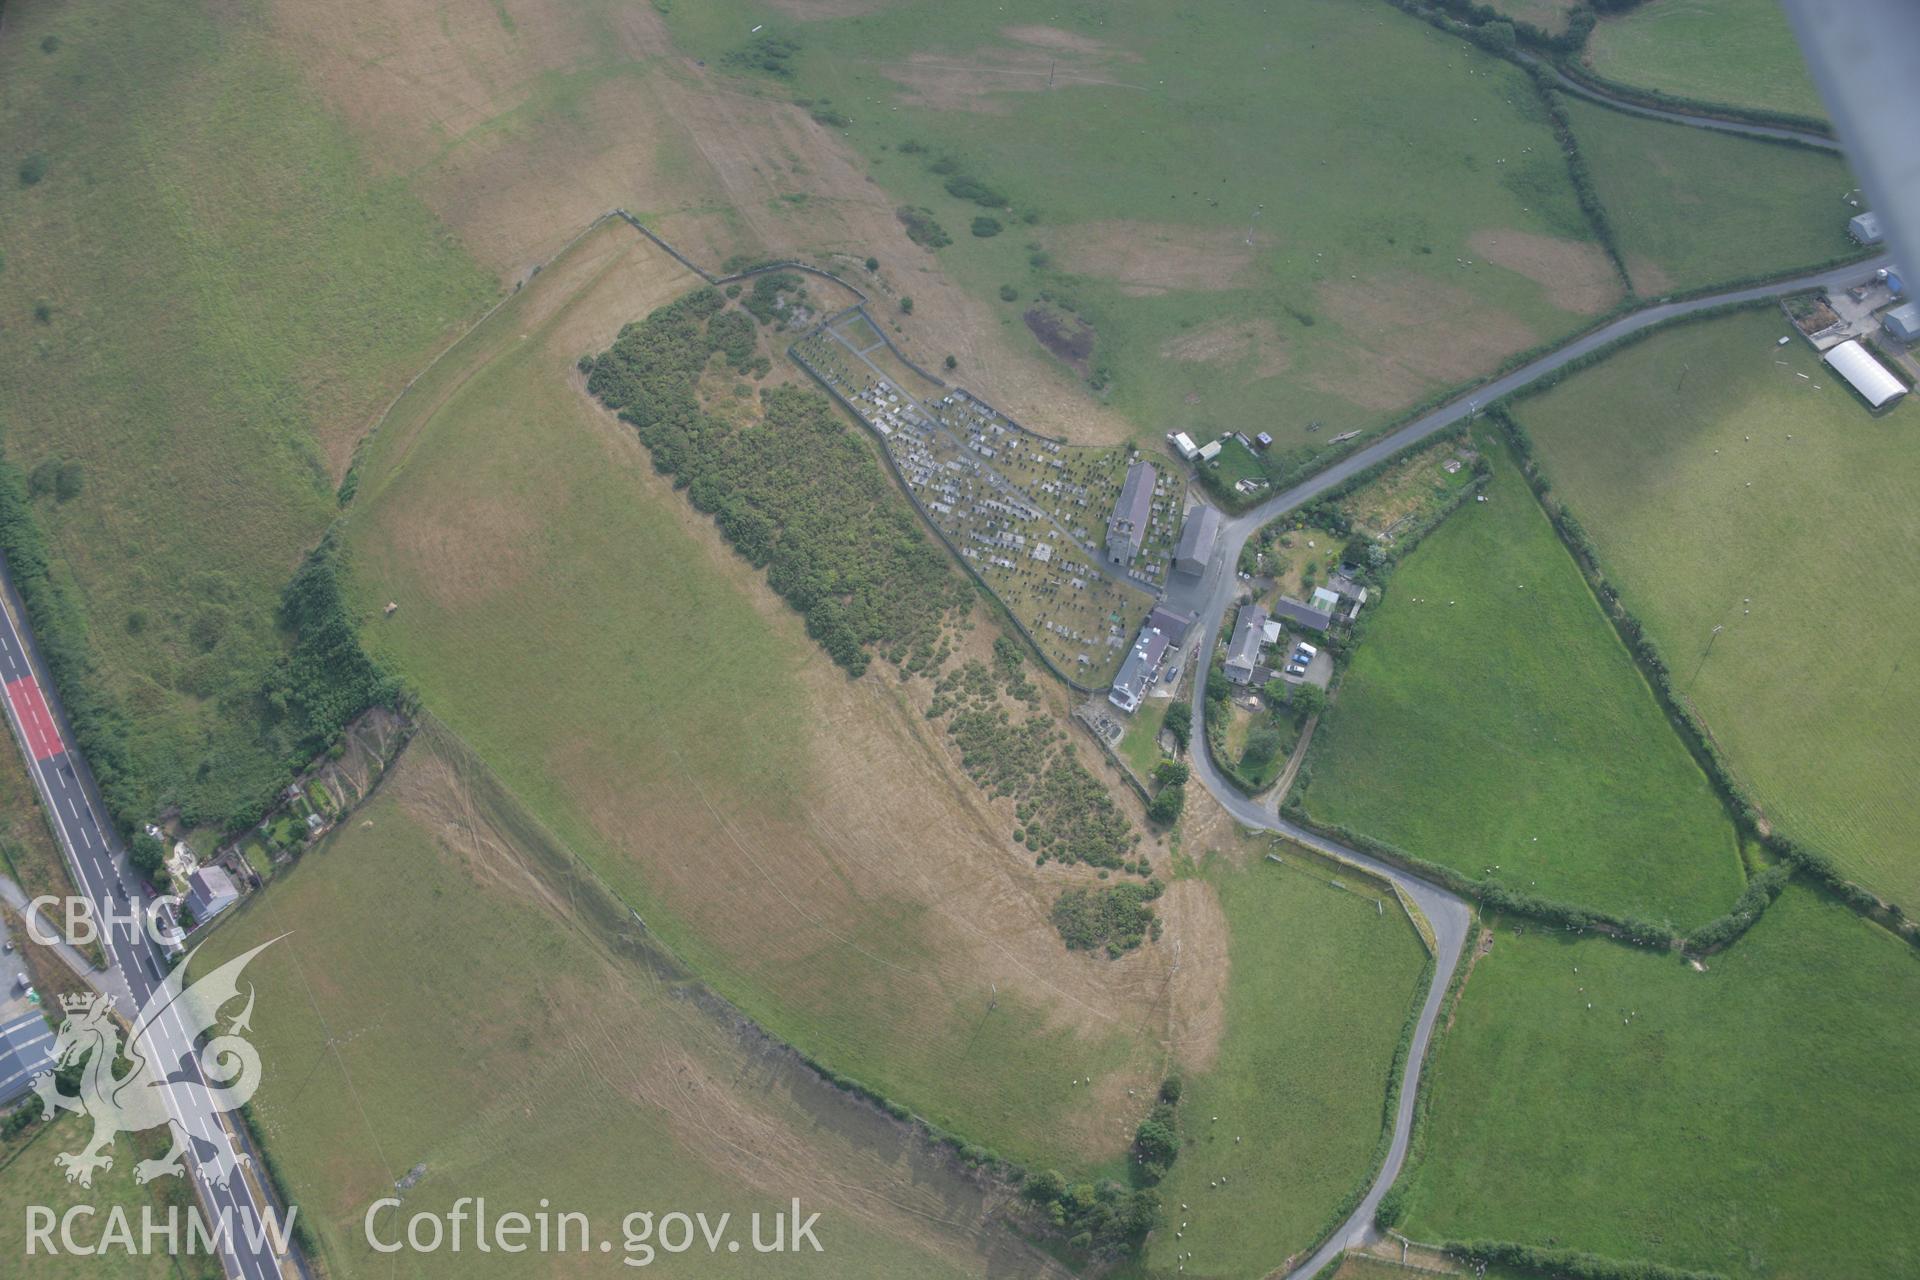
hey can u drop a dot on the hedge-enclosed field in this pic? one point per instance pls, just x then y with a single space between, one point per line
1760 1119
1738 52
1734 484
1492 720
1692 207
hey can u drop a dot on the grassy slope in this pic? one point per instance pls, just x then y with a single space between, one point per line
1692 207
28 854
1513 730
229 294
1740 52
30 1177
1757 1119
531 1054
1318 994
1654 452
608 664
1214 110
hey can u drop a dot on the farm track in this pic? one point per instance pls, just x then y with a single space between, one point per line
1744 128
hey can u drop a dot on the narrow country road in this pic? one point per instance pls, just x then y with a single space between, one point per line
1209 597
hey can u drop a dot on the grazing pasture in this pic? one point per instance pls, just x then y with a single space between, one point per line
1756 1119
1155 169
1691 207
1733 486
1492 721
1322 976
805 842
1738 52
543 1051
206 298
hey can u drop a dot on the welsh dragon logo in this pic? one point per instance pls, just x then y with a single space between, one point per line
155 1086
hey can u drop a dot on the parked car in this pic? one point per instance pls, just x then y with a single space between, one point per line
1297 669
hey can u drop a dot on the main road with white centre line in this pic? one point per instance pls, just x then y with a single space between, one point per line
104 876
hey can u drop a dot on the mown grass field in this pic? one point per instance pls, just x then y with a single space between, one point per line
537 1054
1691 207
1169 141
29 1177
640 689
1321 981
1738 52
1723 490
1756 1120
205 299
1491 720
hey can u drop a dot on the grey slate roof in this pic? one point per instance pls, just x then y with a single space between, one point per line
1174 624
209 892
26 1050
1304 614
1131 684
1243 655
1197 538
1127 526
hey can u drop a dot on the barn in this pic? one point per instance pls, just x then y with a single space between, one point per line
1903 323
1864 374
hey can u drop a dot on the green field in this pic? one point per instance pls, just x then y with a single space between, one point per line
1140 747
28 855
205 299
1134 183
1691 207
1738 52
1320 980
28 1176
634 683
1756 1120
1710 473
539 1050
1491 720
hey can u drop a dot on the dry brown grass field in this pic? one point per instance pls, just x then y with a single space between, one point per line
806 842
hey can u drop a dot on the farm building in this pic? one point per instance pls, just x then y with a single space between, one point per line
1141 668
209 892
1903 323
1249 638
1197 538
1865 374
26 1050
1864 228
1304 614
1127 527
1183 444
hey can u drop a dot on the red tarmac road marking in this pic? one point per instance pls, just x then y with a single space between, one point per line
42 738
